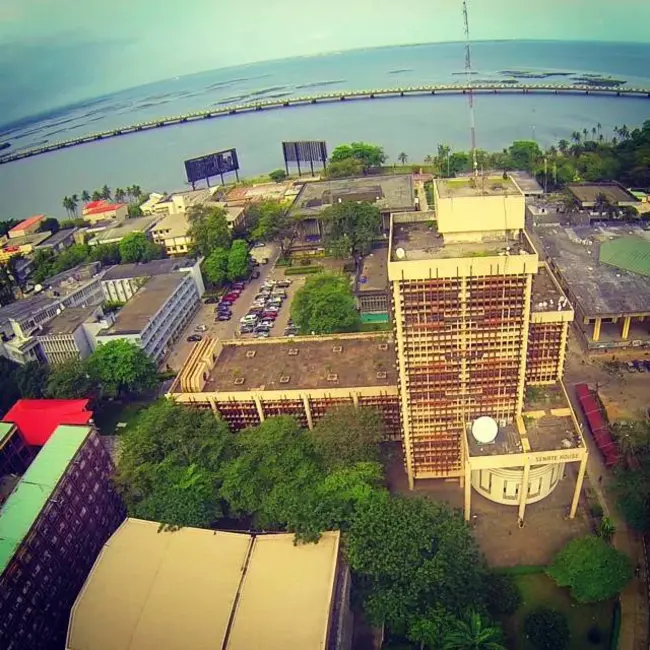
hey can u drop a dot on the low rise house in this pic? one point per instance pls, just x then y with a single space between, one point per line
23 245
171 232
147 208
104 211
53 523
27 227
59 241
116 232
208 589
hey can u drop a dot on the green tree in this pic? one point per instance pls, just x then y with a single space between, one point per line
44 265
502 595
473 632
6 286
591 568
344 168
547 629
71 257
430 629
215 267
120 195
403 158
632 490
278 175
238 260
347 435
137 247
9 391
71 380
208 229
85 196
122 368
325 305
271 221
273 468
368 155
67 205
49 224
31 378
170 462
96 195
107 254
358 224
105 193
524 154
411 554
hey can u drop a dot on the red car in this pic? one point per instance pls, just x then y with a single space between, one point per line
230 297
270 315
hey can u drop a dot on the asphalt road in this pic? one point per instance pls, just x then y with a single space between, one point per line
226 329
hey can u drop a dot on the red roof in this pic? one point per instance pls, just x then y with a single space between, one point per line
37 419
31 221
97 207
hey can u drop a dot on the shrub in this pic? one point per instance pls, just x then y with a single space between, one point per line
502 595
594 635
303 270
278 175
547 629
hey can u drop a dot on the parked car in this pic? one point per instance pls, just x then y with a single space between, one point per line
249 318
210 301
640 366
646 364
264 260
263 335
259 244
201 328
226 303
255 275
283 284
267 321
194 338
238 286
231 297
272 308
270 314
224 316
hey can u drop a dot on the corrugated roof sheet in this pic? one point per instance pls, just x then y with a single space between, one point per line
627 253
24 505
5 430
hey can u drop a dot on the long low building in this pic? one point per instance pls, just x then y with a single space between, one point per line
207 589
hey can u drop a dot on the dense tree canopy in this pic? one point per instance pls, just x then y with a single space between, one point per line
208 229
215 267
547 629
71 380
271 221
107 254
238 260
49 224
122 367
632 489
31 379
473 632
412 554
344 168
325 305
137 247
591 568
170 462
352 227
347 435
9 391
368 155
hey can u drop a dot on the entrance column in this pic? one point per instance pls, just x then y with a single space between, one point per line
597 323
626 327
468 491
576 494
523 492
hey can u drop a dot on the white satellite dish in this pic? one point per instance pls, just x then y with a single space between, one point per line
400 253
38 287
485 429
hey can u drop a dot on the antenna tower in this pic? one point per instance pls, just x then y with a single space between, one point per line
470 90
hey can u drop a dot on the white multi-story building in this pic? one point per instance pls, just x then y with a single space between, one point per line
157 313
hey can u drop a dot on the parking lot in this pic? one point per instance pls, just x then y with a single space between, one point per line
205 316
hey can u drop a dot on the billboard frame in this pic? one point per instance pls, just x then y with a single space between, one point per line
213 165
308 151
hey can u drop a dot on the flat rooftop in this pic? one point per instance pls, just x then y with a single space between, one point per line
147 269
600 289
34 239
123 228
68 320
546 294
587 193
451 188
145 303
360 362
205 589
173 225
57 238
546 433
394 193
526 182
374 271
419 240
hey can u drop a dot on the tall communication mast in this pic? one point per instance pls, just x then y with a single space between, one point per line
470 90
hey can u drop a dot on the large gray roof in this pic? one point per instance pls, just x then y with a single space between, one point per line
148 269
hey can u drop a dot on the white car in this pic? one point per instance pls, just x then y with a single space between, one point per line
249 318
201 328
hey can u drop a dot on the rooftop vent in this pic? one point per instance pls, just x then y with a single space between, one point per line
293 352
332 377
250 353
383 347
284 379
337 348
239 381
382 374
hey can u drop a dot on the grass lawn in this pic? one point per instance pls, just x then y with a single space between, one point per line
537 590
113 413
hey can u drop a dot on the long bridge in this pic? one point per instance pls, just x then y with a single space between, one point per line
352 95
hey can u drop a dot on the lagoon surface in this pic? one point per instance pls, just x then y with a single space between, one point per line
415 125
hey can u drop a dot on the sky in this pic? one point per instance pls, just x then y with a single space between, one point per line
54 52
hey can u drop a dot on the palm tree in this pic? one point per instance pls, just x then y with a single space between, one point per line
106 192
585 133
563 145
96 195
85 196
614 141
67 204
594 132
473 633
599 128
443 152
576 137
74 200
624 132
119 194
402 157
136 191
601 138
428 159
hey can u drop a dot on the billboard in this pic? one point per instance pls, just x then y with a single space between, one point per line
214 164
304 152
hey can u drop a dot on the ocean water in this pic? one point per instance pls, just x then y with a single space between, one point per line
154 160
